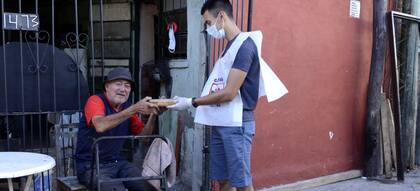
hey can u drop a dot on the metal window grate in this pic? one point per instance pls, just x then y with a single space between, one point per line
48 66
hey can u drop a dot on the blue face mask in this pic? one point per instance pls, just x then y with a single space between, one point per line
214 32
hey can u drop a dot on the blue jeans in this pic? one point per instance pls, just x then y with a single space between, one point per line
118 169
230 154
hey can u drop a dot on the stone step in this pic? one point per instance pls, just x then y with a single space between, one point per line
69 183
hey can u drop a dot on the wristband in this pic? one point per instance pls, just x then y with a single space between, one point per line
193 103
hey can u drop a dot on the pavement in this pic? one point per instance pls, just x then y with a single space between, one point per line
411 183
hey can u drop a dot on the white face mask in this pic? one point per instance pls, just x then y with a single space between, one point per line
172 40
214 32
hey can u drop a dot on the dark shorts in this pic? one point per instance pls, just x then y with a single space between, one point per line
230 154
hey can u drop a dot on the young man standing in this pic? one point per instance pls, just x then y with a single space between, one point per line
229 99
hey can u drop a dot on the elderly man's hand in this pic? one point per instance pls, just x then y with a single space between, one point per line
145 107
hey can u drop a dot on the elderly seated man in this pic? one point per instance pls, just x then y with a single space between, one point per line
110 114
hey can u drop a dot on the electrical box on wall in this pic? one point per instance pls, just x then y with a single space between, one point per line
355 8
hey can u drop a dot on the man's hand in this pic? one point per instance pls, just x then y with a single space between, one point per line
145 107
105 123
182 103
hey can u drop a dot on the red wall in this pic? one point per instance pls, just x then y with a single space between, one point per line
323 57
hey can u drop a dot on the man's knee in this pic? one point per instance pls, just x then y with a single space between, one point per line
247 188
225 185
223 182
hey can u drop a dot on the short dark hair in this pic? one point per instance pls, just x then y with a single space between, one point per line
215 6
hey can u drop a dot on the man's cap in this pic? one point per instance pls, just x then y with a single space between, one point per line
119 73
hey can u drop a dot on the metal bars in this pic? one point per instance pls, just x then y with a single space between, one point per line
41 72
396 78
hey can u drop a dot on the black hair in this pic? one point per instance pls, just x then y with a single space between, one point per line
215 6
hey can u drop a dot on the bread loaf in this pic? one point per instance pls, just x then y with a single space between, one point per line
163 102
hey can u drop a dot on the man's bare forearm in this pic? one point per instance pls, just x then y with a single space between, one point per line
215 98
105 123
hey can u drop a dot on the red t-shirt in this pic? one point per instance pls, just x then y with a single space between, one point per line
95 107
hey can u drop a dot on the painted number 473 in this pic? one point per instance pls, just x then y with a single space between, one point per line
15 21
31 21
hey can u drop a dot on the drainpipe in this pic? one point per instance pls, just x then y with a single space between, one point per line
372 144
250 12
137 70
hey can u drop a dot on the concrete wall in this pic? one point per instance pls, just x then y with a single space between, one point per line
147 39
323 57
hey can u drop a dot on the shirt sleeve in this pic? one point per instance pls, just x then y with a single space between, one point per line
94 107
136 125
245 56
